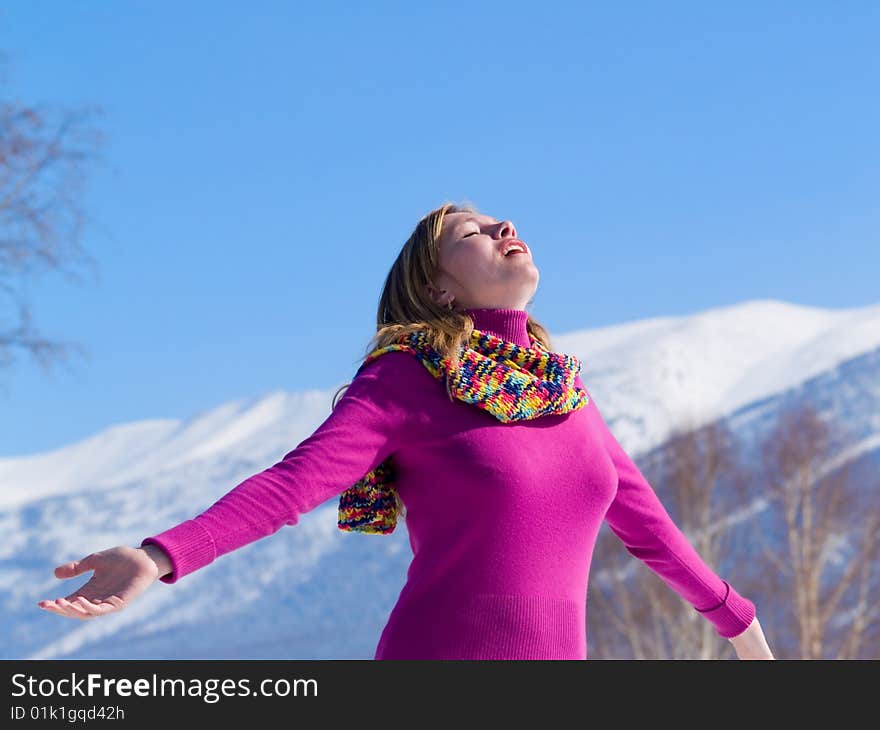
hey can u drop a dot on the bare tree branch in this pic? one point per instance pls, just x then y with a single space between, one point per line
44 155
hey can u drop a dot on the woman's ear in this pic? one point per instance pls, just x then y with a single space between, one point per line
441 297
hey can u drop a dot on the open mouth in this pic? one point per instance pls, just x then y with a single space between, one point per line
515 248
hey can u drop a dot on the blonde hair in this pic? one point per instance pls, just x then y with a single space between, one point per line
406 306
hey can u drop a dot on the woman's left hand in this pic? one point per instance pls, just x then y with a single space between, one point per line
751 644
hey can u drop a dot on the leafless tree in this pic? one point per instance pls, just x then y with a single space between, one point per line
44 155
827 561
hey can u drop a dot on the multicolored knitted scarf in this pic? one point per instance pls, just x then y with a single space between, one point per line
511 382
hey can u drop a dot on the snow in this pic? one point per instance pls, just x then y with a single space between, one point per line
650 375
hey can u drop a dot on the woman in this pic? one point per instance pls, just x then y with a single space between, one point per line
463 416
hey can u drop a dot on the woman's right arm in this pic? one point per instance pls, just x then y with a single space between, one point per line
370 421
373 417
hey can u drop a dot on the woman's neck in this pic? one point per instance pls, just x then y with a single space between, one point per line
508 324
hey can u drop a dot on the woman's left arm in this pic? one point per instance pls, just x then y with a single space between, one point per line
638 518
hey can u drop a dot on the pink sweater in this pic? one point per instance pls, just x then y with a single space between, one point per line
502 518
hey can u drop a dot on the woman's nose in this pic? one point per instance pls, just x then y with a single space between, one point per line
506 230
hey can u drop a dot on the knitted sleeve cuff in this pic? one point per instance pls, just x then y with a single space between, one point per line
732 616
189 546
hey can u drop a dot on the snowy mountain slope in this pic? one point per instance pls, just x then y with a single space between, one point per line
649 375
848 394
312 591
256 428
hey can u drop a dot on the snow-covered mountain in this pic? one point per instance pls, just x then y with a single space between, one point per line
313 591
651 374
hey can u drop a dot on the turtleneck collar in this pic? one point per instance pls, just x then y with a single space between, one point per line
508 324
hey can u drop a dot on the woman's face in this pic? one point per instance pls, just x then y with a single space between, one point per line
474 272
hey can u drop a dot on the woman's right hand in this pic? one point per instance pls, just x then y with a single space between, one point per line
120 574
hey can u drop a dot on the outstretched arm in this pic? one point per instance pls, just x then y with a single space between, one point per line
639 519
371 419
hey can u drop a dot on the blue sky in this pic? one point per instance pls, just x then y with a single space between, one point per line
262 171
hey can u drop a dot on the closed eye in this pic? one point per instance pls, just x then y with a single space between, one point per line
470 234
